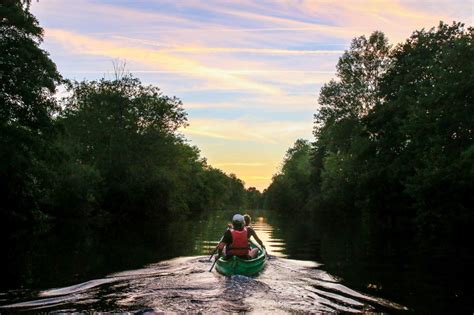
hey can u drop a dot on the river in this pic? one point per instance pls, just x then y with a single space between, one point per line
164 266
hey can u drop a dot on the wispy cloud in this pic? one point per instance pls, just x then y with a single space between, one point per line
272 105
259 62
210 105
239 164
91 46
397 18
276 21
249 130
166 48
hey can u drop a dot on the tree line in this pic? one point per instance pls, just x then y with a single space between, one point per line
393 136
109 148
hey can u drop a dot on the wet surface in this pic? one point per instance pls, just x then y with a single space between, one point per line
312 267
186 285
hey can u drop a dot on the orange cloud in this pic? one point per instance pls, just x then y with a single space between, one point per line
91 46
249 130
232 50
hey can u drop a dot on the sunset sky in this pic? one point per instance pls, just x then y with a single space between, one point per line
248 72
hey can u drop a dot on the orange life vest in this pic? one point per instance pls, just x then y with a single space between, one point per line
240 245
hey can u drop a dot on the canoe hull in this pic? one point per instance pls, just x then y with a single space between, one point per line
239 266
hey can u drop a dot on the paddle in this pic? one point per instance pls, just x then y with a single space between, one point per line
214 251
214 263
219 255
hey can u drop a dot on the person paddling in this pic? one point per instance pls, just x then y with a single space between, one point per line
235 240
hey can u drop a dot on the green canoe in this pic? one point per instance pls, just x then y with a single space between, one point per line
239 266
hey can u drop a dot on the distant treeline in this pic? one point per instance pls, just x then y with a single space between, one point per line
393 136
108 148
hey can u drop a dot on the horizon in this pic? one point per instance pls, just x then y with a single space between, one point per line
248 73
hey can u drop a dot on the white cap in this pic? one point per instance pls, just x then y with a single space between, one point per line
238 218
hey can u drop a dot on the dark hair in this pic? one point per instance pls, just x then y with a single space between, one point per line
247 219
237 225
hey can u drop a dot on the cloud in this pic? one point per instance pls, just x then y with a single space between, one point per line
265 178
75 13
396 18
341 19
282 103
276 22
263 61
249 130
209 105
239 164
91 46
228 50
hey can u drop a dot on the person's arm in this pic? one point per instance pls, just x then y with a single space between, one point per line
226 240
255 236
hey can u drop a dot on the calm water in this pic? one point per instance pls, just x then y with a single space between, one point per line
164 267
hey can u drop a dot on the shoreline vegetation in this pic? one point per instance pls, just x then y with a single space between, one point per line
394 140
99 180
393 143
110 149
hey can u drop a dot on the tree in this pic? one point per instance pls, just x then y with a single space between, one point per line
28 79
29 76
359 71
342 143
423 129
289 190
127 131
113 147
254 198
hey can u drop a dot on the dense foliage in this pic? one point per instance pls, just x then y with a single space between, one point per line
290 188
110 148
28 80
394 135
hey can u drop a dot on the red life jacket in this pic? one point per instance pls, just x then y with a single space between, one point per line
240 245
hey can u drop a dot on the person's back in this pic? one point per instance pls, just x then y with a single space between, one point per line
239 245
236 239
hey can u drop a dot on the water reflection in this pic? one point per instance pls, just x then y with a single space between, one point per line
179 284
275 246
185 285
311 267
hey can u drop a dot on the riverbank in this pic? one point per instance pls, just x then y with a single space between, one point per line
389 268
